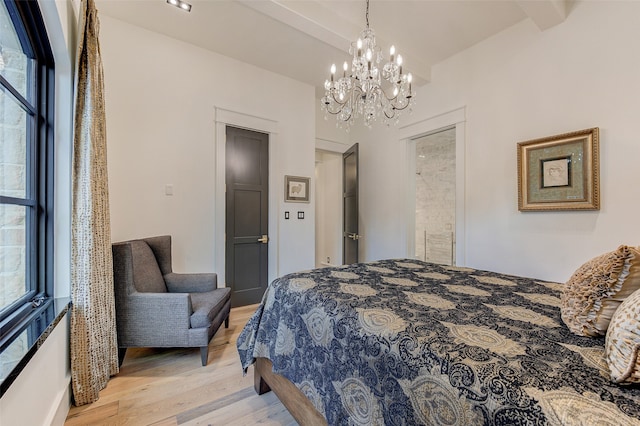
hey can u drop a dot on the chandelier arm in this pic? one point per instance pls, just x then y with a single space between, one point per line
389 116
390 100
334 107
401 108
357 91
333 96
333 112
348 119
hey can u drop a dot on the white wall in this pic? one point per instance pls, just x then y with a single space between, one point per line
524 84
40 393
383 193
161 98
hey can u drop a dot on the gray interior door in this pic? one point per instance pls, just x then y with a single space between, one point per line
350 234
247 220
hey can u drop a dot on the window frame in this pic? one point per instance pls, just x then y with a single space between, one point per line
39 192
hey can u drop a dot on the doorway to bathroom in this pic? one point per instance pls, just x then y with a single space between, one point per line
435 185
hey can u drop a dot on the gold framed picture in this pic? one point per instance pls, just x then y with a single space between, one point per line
560 172
296 189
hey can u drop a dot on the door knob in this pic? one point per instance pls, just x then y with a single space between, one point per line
264 239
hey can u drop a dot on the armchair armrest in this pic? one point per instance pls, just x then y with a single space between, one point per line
153 317
191 283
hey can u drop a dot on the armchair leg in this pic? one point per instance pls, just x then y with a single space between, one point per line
121 353
226 322
204 355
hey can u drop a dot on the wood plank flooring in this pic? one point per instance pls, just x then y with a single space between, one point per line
165 387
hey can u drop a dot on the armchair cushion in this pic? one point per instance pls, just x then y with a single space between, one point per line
207 305
148 278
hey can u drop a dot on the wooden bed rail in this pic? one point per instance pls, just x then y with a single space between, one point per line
264 379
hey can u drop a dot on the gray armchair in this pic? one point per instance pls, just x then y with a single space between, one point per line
156 307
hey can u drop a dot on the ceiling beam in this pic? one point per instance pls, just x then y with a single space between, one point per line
318 21
306 17
545 13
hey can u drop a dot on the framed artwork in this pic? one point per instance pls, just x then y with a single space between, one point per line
560 172
296 189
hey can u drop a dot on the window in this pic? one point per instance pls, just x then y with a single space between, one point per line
26 166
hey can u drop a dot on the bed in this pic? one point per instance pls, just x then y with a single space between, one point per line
406 342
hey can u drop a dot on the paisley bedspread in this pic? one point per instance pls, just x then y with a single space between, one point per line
405 342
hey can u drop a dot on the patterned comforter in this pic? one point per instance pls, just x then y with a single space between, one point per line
405 342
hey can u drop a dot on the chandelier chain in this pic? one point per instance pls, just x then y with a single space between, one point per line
367 14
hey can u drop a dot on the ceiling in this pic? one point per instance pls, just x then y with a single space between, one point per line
302 38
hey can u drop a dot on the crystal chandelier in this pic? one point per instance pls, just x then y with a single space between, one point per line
367 89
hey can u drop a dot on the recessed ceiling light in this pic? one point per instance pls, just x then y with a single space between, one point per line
181 4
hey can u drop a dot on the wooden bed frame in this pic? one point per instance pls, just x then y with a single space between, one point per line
264 380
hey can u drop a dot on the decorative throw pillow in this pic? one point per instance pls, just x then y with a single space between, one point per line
623 341
596 289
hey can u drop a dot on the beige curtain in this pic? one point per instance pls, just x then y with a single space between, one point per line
94 351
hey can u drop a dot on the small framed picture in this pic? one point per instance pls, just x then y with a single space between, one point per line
560 172
556 172
296 189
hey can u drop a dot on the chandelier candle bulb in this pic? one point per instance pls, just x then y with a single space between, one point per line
333 71
359 45
180 4
345 67
392 53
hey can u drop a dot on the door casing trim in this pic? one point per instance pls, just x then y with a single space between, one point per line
223 118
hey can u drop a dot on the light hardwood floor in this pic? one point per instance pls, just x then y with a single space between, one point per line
171 387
